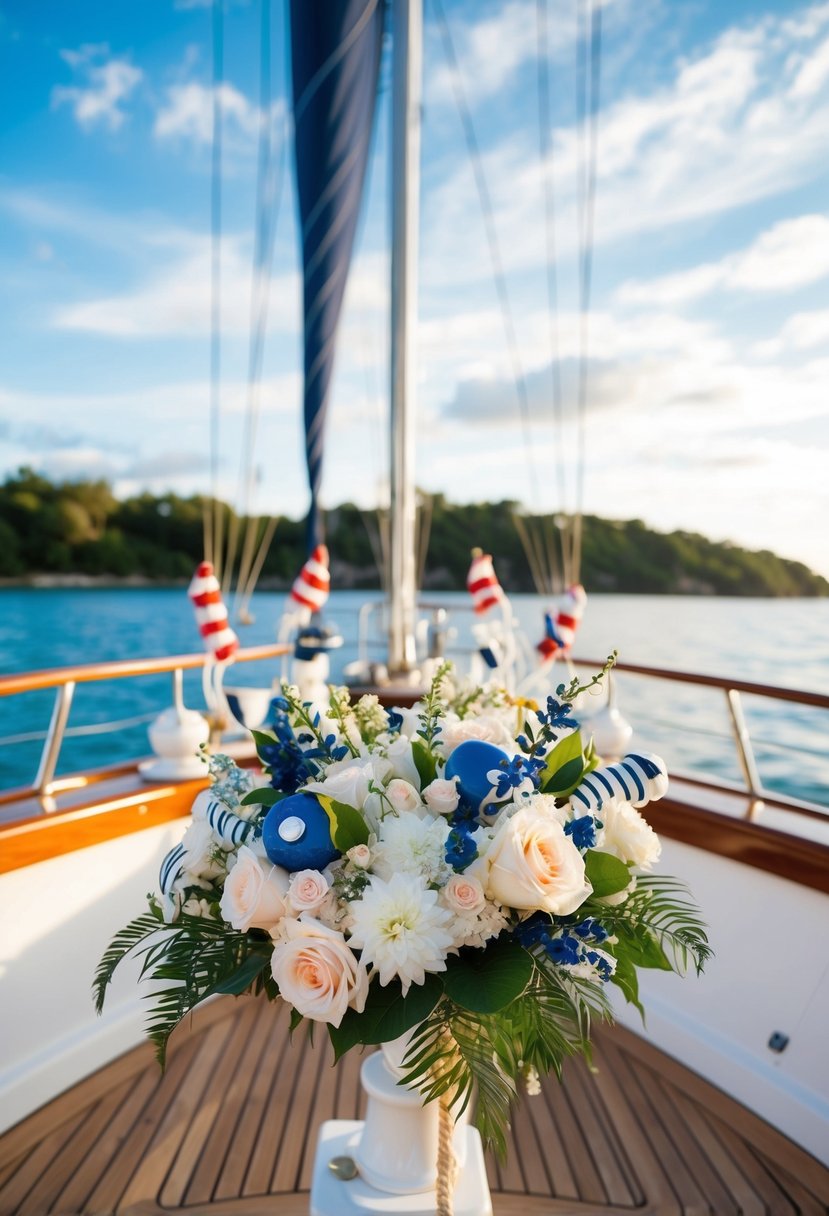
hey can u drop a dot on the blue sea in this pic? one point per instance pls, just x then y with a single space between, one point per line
783 642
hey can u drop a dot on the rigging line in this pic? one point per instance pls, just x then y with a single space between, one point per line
528 545
492 240
259 561
270 177
586 258
216 283
545 126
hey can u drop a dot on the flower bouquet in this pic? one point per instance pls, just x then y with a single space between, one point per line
467 871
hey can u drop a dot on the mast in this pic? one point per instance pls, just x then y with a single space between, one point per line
406 89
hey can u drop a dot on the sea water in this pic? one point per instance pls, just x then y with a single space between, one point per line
777 642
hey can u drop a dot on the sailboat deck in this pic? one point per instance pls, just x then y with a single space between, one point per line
231 1128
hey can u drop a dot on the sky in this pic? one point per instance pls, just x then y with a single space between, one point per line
707 335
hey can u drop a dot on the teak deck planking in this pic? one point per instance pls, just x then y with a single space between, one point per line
230 1130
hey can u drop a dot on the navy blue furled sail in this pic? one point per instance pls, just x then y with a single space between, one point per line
335 59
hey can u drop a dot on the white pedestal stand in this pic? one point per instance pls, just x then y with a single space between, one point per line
395 1154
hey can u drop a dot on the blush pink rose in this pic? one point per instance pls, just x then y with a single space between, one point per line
317 972
308 890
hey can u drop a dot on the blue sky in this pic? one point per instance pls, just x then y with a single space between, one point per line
709 326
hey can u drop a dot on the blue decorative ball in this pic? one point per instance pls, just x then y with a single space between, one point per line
470 762
297 835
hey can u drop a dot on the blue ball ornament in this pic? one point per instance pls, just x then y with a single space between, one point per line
470 762
296 834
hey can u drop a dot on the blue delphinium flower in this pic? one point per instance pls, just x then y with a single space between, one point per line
461 849
517 770
558 717
582 831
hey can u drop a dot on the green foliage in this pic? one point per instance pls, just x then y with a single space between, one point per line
387 1014
186 961
80 527
564 766
659 910
606 873
348 827
484 981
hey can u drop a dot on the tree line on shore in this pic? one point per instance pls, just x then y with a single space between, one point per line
81 528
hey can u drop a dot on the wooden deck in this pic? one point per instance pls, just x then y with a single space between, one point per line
231 1128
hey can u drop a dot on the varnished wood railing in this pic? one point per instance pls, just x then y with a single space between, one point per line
120 804
65 679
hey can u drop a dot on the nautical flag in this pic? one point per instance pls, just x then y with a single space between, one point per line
482 582
211 614
313 583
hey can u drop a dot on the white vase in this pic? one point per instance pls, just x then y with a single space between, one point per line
398 1148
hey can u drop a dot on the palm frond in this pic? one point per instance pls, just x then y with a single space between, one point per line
125 942
664 907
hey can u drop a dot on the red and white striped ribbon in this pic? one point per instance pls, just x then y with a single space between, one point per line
313 583
482 582
211 614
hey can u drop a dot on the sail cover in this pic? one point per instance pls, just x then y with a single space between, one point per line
335 60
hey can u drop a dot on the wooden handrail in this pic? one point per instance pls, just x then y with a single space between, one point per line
87 673
818 699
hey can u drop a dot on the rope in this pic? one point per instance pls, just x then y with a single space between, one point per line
492 241
447 1162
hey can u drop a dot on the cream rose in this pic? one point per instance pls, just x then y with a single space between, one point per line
442 796
533 865
254 894
308 889
627 835
403 797
464 894
316 971
360 856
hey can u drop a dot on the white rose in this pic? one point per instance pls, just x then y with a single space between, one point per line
307 890
533 865
316 971
254 894
403 797
442 796
360 856
464 894
401 759
348 780
487 727
199 845
627 835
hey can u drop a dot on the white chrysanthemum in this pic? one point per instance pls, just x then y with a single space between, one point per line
627 835
409 845
401 929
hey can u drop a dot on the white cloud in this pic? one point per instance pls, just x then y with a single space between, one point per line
108 82
727 130
792 254
803 331
188 113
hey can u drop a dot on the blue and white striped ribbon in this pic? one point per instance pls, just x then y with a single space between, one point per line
636 778
231 829
171 868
